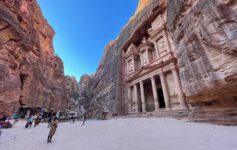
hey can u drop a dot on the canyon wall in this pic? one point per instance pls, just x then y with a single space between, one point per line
205 36
72 90
29 70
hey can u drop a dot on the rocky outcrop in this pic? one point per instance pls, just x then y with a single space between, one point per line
205 37
85 92
29 70
72 92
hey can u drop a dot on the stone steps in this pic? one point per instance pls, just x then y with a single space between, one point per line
222 117
179 114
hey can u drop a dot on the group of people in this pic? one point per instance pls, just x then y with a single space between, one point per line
52 123
29 121
5 121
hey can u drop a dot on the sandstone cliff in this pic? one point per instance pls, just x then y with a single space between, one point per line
72 89
106 90
205 37
29 70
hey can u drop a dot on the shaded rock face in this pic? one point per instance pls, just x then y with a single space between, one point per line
205 35
29 70
72 92
85 92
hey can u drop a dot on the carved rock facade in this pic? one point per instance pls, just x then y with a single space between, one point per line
29 70
205 36
202 38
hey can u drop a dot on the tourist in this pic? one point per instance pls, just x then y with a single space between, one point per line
72 116
49 121
29 121
1 129
53 128
58 115
4 118
84 118
36 121
50 115
40 118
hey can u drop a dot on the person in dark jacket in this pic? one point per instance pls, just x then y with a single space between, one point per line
4 118
84 118
37 121
53 128
49 121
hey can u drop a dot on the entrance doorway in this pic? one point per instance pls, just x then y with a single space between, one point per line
161 98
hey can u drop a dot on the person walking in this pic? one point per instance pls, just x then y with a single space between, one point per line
53 128
72 117
50 117
0 129
84 118
29 121
36 121
4 117
49 121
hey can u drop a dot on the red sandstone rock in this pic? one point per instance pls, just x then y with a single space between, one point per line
29 70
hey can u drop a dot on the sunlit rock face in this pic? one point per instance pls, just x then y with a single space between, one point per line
141 5
205 35
29 70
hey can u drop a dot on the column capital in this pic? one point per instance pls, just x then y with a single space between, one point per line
152 78
173 68
161 73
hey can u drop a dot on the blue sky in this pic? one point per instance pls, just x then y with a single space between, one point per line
83 28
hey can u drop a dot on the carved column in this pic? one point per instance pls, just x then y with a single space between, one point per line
179 88
155 95
129 100
143 97
133 62
147 56
141 58
135 98
167 41
165 90
127 67
156 49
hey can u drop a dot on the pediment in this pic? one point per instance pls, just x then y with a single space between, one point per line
132 50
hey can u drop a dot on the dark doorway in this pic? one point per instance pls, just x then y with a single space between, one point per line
161 98
23 78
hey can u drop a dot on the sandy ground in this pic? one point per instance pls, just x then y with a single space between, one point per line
123 134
